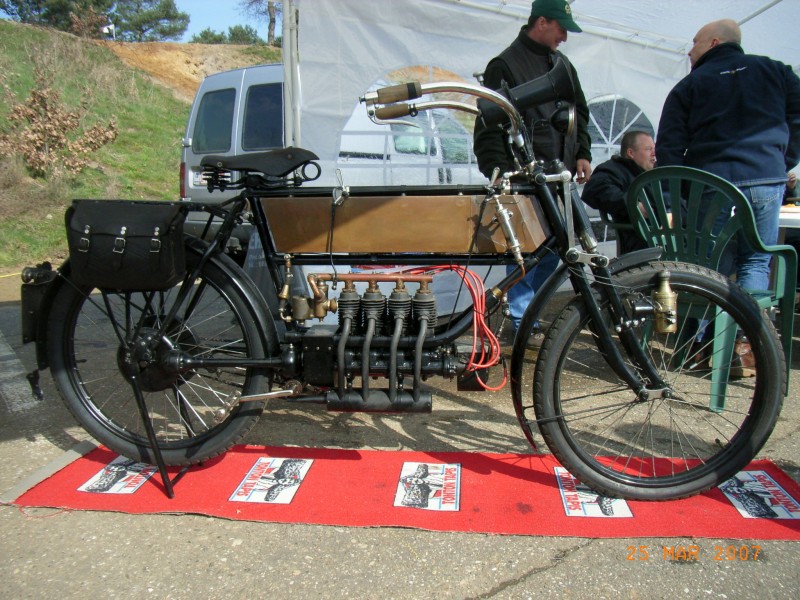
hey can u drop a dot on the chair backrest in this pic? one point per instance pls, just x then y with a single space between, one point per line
676 208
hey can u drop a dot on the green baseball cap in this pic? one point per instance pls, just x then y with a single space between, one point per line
560 10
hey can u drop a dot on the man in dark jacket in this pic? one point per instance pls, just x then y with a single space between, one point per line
531 55
608 187
736 115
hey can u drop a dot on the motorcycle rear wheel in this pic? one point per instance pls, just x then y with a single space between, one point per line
86 360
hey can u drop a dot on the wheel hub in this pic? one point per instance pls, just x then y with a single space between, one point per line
147 358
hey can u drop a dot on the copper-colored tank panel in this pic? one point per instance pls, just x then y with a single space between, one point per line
381 224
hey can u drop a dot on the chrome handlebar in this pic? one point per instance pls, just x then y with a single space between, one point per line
391 103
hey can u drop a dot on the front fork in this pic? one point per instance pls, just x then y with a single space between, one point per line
638 369
635 367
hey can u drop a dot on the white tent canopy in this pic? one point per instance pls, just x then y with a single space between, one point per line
633 50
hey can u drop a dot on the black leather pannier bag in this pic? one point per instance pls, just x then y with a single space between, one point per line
125 244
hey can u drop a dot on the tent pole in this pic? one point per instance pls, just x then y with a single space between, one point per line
291 75
759 11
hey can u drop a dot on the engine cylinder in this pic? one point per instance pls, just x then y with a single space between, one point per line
399 304
424 307
350 306
373 306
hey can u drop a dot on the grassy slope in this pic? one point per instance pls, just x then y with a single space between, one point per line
141 163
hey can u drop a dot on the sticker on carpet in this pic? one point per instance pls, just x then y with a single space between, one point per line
272 480
581 501
756 495
120 476
429 486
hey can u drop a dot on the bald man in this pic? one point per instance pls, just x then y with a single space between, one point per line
736 115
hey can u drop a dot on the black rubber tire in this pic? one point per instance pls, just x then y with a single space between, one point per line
607 438
84 354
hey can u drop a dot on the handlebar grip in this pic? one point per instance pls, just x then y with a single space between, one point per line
399 93
393 111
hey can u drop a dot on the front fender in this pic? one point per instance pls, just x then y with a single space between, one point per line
635 258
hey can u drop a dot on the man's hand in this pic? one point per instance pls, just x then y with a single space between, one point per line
583 171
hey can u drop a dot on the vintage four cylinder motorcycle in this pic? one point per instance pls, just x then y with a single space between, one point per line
166 351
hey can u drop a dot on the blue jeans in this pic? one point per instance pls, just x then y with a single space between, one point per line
522 293
752 268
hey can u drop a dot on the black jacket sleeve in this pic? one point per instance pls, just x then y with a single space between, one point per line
673 129
491 148
582 114
606 191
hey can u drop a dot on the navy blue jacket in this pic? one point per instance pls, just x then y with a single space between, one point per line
607 190
736 115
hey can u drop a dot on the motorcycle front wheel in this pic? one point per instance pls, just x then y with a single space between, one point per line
693 432
90 331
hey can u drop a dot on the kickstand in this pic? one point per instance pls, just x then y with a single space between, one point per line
151 436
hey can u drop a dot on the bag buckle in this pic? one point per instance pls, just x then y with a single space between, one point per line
83 243
155 243
119 242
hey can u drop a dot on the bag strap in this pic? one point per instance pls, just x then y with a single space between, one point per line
119 247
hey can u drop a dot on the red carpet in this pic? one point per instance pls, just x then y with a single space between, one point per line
448 491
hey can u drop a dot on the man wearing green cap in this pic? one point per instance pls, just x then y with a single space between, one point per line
531 55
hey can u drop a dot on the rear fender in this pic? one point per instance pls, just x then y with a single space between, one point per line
267 329
38 298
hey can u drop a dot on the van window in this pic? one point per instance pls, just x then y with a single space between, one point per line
455 138
212 129
415 141
263 117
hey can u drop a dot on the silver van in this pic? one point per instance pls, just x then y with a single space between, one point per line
233 113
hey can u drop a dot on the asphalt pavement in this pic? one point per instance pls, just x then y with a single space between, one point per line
49 553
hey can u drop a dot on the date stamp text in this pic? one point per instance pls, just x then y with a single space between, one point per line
693 553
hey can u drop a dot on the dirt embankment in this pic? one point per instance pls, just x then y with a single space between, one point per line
181 67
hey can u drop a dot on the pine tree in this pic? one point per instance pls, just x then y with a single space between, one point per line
58 14
243 34
209 36
149 20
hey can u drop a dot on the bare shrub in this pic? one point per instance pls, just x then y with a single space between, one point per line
48 135
14 182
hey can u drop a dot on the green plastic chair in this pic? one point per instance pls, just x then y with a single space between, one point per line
690 239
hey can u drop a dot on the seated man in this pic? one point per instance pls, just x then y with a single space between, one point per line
608 187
